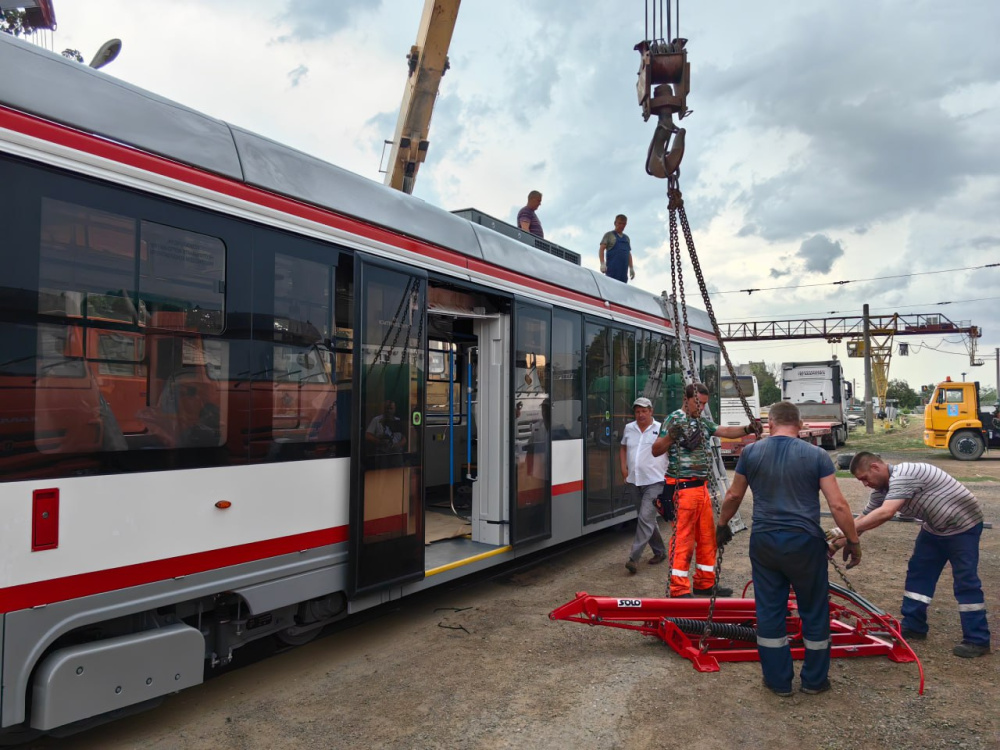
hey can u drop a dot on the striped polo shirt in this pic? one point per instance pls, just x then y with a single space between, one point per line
943 504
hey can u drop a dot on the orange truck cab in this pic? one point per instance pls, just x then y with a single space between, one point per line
954 419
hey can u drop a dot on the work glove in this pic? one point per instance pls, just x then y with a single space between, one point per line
835 539
756 427
631 273
852 551
676 432
724 535
604 268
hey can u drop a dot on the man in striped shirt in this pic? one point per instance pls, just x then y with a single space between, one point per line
951 524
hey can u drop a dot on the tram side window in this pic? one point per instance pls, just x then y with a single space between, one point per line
183 273
710 377
304 398
654 353
673 378
134 303
567 375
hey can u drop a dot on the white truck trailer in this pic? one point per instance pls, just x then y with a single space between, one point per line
821 392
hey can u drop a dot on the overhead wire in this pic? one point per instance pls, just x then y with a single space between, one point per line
854 281
871 312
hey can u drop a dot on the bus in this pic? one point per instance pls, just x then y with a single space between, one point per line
732 413
240 388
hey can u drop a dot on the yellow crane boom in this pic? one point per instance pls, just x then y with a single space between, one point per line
428 61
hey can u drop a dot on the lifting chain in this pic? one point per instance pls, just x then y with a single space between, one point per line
676 209
707 632
842 574
663 85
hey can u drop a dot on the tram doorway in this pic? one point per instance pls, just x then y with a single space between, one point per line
466 466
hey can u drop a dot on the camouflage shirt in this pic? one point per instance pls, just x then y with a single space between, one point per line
686 461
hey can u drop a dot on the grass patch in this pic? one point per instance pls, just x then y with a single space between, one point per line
908 439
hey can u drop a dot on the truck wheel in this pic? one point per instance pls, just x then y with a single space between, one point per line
966 445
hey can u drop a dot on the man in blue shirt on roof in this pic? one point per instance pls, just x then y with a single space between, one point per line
616 252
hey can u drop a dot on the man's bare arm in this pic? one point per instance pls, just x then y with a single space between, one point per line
879 516
839 507
662 444
734 496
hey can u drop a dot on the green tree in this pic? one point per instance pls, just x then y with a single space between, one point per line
767 382
901 391
12 22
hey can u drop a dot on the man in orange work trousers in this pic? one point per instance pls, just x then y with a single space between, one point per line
686 437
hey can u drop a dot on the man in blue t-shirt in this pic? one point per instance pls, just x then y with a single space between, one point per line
616 252
788 546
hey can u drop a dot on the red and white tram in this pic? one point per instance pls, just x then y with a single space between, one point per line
240 389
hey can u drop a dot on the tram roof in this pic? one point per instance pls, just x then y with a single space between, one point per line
54 88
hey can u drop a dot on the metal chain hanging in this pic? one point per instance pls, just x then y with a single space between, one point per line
664 82
676 207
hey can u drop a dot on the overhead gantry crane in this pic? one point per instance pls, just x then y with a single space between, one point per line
870 335
428 61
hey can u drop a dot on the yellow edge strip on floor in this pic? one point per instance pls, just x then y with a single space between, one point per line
466 561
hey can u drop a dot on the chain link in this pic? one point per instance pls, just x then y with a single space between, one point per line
707 632
676 209
842 574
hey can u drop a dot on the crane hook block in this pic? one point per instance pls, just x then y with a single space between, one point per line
666 149
665 66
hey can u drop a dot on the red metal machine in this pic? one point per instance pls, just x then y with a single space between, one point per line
857 627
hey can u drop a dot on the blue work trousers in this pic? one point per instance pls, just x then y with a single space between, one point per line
779 559
930 553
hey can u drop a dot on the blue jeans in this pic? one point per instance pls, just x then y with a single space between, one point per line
780 559
930 553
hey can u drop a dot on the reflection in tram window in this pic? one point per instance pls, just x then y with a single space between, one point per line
532 428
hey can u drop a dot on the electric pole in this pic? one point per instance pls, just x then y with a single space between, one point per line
869 413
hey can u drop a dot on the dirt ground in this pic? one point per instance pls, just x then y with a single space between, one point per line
482 666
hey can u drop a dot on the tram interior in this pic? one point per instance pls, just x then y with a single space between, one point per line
452 501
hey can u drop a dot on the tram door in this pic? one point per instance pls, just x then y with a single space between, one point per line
531 499
387 521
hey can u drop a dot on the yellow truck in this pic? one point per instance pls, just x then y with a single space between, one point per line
954 419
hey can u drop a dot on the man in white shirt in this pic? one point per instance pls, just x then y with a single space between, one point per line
643 475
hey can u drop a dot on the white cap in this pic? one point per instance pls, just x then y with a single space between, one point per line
642 401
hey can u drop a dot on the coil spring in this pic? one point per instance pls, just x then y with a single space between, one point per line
719 629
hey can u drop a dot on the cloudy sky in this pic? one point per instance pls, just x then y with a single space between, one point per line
830 141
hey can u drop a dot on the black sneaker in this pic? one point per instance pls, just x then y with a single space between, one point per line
630 566
821 688
721 592
777 692
913 635
971 650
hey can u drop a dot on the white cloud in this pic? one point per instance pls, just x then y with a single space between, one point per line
858 122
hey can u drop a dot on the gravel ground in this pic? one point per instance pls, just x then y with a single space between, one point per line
481 666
